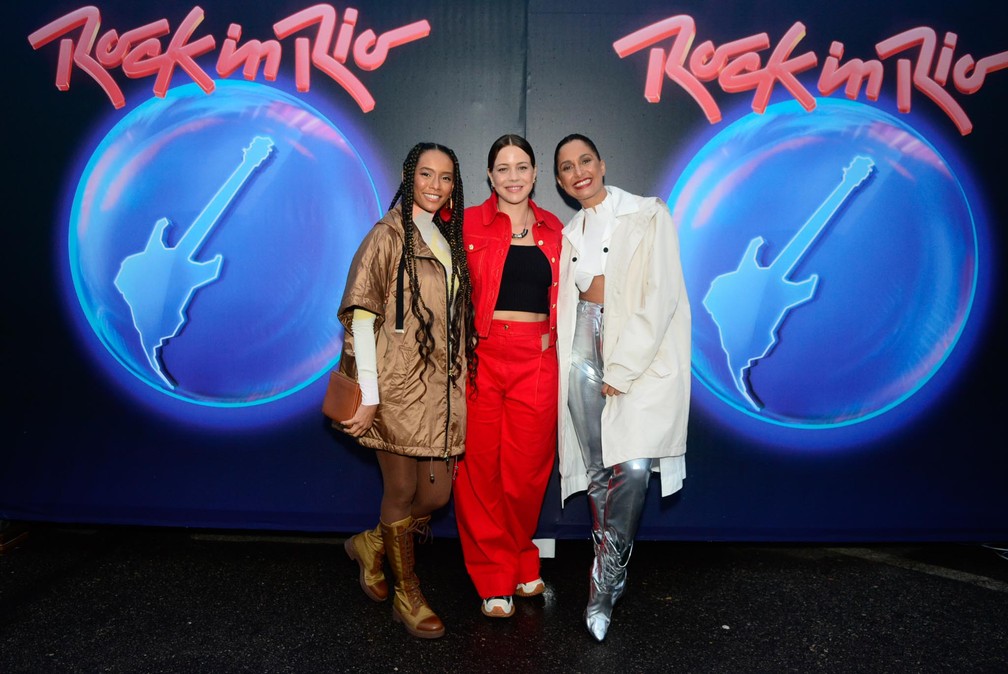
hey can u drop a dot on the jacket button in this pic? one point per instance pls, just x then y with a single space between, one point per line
540 242
606 249
471 246
553 259
573 259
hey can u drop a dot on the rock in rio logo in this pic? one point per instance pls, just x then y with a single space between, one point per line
209 242
328 46
833 259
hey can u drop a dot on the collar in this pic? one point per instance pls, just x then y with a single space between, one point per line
395 218
489 211
624 203
618 201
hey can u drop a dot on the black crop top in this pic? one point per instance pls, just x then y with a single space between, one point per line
525 282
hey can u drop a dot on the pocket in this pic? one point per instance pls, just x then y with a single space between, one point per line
658 368
478 254
547 381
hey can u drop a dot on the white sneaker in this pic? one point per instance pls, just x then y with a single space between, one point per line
531 589
498 607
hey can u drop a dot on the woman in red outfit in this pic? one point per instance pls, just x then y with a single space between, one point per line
513 250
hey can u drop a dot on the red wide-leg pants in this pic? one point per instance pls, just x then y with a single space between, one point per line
510 448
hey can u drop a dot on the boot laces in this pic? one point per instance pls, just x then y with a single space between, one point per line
416 599
421 527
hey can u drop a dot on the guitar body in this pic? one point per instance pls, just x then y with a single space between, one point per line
748 306
158 283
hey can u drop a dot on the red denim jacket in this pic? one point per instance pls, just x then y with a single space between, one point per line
486 235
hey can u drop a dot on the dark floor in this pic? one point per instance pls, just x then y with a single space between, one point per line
153 600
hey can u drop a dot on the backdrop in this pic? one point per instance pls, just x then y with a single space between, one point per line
187 185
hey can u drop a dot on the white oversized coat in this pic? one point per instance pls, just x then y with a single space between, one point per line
646 340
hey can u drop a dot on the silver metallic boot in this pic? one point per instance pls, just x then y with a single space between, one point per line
624 504
606 584
600 602
615 494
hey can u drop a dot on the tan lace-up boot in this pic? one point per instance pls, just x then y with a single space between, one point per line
408 605
368 549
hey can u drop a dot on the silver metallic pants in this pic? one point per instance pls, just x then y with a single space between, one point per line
615 494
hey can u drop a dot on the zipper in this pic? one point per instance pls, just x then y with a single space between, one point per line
448 350
448 362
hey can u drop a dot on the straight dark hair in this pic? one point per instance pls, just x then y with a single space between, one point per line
569 139
506 140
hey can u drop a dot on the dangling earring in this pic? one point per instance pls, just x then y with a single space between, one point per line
446 212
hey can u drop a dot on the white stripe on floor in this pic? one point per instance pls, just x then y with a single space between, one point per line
930 569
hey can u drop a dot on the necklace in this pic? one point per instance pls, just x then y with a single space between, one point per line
524 231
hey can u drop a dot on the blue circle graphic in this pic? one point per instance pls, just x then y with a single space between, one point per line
209 241
831 261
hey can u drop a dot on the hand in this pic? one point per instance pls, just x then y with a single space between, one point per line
608 390
361 421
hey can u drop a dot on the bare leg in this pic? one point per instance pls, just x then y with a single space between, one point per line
399 485
412 489
432 494
407 486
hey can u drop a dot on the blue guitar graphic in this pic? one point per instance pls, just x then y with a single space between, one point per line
159 282
749 305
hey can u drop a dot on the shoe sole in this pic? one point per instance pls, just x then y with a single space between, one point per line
497 612
415 632
352 554
539 589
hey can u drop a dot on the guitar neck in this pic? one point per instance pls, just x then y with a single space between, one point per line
193 239
803 240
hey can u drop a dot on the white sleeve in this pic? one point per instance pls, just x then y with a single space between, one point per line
367 361
642 333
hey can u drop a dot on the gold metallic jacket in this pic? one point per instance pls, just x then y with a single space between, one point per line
421 413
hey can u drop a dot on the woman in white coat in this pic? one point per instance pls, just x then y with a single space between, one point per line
624 398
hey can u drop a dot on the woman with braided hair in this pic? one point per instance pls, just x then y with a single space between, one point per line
410 344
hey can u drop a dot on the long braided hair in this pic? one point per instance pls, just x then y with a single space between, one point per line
462 316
